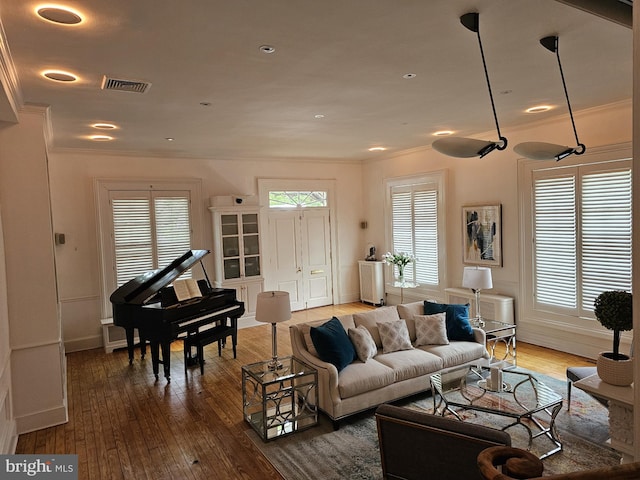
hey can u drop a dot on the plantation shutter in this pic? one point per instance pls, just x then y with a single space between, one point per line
150 229
606 234
414 211
173 228
582 234
555 241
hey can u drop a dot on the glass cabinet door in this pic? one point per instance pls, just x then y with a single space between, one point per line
240 245
251 243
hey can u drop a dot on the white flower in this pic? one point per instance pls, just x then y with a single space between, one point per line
401 259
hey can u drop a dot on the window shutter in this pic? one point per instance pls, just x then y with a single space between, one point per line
426 236
172 228
606 234
555 241
414 211
132 237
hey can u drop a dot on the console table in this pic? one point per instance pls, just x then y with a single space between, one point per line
620 412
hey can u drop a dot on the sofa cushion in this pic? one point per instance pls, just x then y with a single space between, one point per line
358 378
363 343
305 329
431 329
408 311
370 318
408 364
333 344
394 336
458 326
456 353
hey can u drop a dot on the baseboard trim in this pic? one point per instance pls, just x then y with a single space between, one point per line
40 420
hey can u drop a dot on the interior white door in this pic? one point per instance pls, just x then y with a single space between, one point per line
316 257
300 256
284 256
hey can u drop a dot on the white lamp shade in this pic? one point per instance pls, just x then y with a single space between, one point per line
477 278
273 307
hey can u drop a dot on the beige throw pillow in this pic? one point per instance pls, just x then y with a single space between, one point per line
363 343
431 329
394 336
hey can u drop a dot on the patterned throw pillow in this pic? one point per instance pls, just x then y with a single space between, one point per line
394 336
458 326
363 343
431 329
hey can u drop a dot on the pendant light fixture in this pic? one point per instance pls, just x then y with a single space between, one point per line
471 147
550 151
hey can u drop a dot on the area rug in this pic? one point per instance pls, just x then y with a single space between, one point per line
352 451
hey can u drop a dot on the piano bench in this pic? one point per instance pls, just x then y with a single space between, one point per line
199 340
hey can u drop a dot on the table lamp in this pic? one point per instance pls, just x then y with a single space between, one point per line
477 278
273 307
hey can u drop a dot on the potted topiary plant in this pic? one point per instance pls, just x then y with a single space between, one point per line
613 309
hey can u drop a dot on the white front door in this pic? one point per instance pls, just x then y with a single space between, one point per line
300 256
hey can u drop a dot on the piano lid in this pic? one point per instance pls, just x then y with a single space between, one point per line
138 290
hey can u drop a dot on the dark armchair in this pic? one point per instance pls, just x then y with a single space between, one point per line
418 445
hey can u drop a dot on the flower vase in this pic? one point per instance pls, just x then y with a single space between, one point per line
400 274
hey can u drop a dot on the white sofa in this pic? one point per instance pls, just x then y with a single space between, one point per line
387 376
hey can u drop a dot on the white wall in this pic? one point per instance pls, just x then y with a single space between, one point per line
8 436
74 214
493 179
38 384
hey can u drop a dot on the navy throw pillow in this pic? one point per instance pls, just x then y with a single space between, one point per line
333 344
457 318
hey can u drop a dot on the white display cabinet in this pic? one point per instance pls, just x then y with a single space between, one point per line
237 248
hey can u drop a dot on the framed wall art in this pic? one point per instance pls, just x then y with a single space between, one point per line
482 235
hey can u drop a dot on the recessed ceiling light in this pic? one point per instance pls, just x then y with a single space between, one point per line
377 149
169 139
319 115
101 138
104 126
205 104
267 49
59 76
409 75
538 109
59 14
442 133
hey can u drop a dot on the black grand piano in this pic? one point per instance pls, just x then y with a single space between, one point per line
149 304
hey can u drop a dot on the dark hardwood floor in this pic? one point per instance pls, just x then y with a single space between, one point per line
125 425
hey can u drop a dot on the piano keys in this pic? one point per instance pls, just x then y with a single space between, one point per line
149 304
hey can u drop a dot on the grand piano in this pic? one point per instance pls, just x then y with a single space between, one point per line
149 303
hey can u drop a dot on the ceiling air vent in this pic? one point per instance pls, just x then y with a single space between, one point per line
121 85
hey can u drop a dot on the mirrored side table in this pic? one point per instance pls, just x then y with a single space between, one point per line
280 402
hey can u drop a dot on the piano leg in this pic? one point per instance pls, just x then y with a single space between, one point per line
166 359
129 331
155 356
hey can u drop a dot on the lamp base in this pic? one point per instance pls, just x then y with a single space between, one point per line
274 364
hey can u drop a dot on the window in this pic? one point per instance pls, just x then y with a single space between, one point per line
415 220
144 226
582 234
150 229
295 199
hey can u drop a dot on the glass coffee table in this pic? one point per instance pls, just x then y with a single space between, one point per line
523 398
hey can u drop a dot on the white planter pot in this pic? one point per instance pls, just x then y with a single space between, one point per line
615 372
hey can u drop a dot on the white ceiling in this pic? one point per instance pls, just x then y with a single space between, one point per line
341 59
